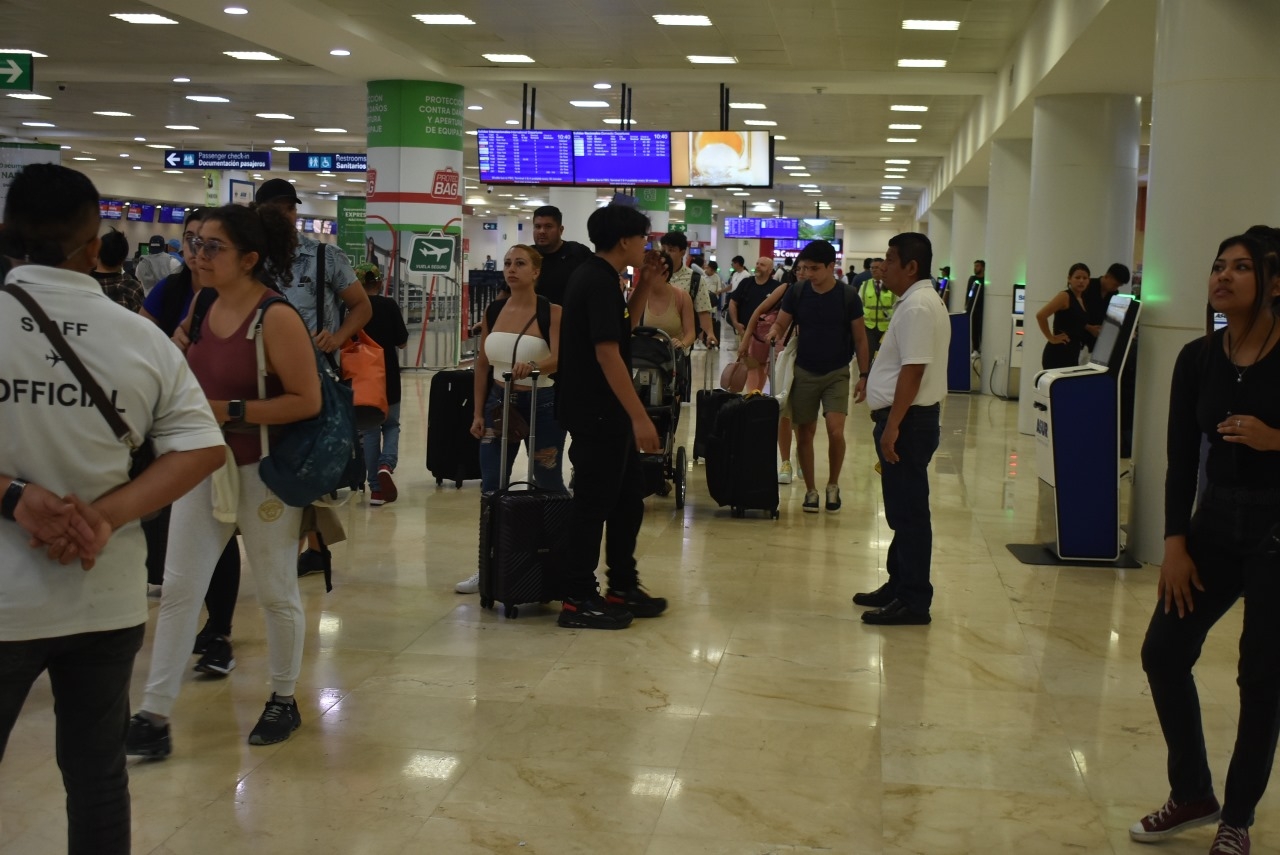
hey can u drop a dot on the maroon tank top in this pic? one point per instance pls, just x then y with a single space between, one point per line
227 370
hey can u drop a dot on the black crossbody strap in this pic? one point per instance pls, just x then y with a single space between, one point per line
87 383
320 288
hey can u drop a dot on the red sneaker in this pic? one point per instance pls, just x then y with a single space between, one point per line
386 486
1230 840
1174 818
377 498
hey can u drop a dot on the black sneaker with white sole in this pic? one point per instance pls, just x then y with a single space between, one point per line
636 601
593 612
218 659
145 738
277 723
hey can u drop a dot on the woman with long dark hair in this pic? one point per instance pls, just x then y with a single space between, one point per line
1063 344
1224 389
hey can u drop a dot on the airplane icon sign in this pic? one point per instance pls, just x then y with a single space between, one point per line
432 254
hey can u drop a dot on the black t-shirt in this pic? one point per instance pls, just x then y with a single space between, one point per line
1205 391
386 327
594 311
749 295
558 266
826 341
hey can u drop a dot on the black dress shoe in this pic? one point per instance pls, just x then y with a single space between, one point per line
895 613
876 599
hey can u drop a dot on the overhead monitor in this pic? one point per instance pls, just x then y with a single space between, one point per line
747 228
721 159
1117 329
622 158
817 229
525 157
110 209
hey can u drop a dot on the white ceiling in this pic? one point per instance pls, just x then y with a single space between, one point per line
826 69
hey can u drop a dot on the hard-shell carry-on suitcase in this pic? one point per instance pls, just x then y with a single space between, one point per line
522 531
741 454
453 454
707 402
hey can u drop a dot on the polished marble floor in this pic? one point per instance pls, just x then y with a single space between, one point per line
758 716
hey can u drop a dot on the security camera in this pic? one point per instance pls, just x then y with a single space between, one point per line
490 191
62 87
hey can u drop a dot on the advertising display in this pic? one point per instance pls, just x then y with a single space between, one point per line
817 229
721 159
525 157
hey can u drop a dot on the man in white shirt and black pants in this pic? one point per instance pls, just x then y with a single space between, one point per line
904 393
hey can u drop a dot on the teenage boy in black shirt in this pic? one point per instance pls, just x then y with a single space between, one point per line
597 404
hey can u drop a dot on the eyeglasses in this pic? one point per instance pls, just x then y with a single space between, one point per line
207 248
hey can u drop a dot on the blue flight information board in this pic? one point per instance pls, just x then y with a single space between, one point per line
757 227
525 157
622 158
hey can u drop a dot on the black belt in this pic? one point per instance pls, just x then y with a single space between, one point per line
882 414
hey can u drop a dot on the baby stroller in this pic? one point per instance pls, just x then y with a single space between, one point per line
655 367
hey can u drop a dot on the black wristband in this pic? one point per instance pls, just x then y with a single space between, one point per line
9 504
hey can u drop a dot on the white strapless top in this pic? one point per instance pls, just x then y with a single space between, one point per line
532 347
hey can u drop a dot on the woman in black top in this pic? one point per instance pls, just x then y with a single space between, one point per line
1062 348
1224 391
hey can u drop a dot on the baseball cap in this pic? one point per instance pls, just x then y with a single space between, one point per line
156 244
276 188
364 269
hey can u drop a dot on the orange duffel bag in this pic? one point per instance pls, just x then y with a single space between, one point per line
364 368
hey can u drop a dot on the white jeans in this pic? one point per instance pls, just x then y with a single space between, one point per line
196 540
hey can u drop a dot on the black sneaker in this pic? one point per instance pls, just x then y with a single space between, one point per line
202 638
313 561
218 658
593 613
276 724
146 739
637 601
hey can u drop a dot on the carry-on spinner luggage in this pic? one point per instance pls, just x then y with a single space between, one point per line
523 532
707 402
740 454
453 454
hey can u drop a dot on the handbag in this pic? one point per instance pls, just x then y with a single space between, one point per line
512 421
784 371
312 457
365 369
734 377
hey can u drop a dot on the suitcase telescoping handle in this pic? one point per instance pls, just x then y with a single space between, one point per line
508 392
773 374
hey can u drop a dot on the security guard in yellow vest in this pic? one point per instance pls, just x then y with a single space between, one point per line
877 306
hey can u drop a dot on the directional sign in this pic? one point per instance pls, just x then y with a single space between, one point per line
241 160
305 161
433 253
17 71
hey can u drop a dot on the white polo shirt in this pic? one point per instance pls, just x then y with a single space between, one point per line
919 333
55 437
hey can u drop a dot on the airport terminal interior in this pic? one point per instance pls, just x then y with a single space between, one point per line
758 715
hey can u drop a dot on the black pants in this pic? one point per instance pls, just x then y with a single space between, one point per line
1232 541
608 491
90 675
905 487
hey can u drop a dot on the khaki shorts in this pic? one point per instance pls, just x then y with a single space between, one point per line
808 390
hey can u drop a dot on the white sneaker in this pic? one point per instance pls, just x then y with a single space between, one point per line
784 474
469 585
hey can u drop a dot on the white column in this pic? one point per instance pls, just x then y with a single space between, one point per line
1205 184
1084 199
939 232
576 205
968 238
1008 200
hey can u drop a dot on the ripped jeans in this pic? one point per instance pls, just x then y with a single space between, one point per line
547 469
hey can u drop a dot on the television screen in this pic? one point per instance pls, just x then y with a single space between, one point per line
1019 299
817 229
788 245
141 213
621 158
525 157
172 214
721 159
1117 326
110 209
756 227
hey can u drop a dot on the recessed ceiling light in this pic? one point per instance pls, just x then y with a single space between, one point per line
445 20
603 86
590 103
886 219
182 80
39 125
800 175
787 158
473 133
355 181
339 52
251 55
84 158
763 123
617 121
64 147
792 166
712 60
930 25
293 181
273 116
173 171
897 160
113 113
209 99
891 187
159 145
513 121
905 127
922 63
746 105
806 185
32 53
124 155
779 137
895 169
683 20
331 130
29 96
507 57
474 107
909 108
139 139
283 148
236 10
182 127
279 142
137 167
324 185
900 139
142 18
894 175
742 194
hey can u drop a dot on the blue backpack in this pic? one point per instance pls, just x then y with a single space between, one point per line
311 459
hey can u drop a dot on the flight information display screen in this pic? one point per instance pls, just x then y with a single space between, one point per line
759 227
526 157
622 158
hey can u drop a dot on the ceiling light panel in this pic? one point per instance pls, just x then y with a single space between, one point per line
699 59
787 158
141 18
251 55
445 20
905 126
507 57
29 96
331 130
922 63
746 105
762 123
273 116
909 108
112 113
930 25
897 160
209 99
182 127
32 53
900 139
683 20
590 103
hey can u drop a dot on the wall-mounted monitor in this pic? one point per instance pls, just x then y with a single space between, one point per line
721 159
525 157
751 228
172 214
622 158
817 229
110 209
141 213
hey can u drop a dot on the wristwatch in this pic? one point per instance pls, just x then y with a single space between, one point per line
235 412
9 504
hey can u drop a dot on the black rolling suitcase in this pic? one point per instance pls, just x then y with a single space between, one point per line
707 403
453 454
741 454
522 533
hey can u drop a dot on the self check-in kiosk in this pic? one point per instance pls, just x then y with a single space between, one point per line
1077 414
966 337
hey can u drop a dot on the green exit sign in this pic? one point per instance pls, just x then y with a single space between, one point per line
17 71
